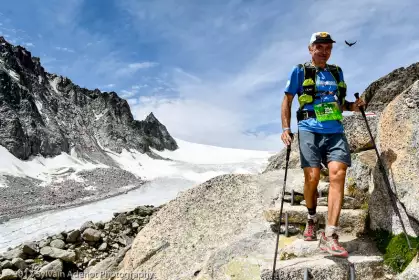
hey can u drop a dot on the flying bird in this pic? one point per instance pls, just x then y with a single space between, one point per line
350 44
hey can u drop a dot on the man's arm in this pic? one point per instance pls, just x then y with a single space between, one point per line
286 118
291 90
286 111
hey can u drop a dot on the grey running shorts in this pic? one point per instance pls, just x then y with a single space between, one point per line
316 148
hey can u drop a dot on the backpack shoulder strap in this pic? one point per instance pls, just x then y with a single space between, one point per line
334 70
309 72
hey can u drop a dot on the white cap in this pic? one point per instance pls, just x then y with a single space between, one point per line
321 37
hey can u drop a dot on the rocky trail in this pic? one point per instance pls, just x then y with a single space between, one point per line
297 257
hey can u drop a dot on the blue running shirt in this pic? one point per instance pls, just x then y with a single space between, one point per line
324 82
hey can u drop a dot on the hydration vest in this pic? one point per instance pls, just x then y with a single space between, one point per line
309 92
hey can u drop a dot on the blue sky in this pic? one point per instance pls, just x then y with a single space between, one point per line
212 71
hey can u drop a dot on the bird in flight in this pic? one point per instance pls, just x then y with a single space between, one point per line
350 44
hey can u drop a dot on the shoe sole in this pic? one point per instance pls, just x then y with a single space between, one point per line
341 255
310 238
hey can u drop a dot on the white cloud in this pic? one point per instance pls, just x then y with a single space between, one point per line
134 90
134 67
109 86
64 49
132 101
202 122
127 94
141 65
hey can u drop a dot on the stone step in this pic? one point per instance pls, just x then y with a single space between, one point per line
255 260
297 184
348 202
295 246
328 268
296 255
350 221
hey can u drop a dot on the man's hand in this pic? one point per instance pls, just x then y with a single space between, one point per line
358 103
286 137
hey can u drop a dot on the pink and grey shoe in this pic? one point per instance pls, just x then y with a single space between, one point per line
310 231
332 246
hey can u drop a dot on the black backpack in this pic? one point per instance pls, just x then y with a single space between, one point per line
308 94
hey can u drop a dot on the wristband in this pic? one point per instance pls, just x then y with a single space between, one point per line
286 128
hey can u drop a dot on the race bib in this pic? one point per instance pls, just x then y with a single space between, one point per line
329 111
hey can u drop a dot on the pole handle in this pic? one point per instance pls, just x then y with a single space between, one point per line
360 108
289 146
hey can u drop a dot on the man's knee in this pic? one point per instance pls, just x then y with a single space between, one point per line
312 175
337 170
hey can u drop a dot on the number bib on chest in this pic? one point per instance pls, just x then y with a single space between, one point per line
329 111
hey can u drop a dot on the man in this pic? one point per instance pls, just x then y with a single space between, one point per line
321 93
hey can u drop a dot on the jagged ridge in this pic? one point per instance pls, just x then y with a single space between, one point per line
46 114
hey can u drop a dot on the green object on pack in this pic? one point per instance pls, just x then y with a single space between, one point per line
329 111
308 82
309 91
305 99
342 84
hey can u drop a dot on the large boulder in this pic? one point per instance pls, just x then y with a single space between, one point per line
411 272
384 90
398 138
359 174
357 133
198 233
359 177
65 255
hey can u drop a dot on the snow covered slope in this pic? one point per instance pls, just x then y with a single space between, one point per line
188 166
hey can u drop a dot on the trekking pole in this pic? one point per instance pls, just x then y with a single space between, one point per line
306 274
351 275
386 180
282 205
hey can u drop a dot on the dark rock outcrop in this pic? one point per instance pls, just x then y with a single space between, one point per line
381 92
45 114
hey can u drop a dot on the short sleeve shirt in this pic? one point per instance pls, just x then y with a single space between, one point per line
324 82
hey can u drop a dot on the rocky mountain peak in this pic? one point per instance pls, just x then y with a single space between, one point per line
151 118
46 114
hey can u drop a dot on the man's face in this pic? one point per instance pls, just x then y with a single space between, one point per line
321 52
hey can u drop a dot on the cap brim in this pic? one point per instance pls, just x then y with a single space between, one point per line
323 40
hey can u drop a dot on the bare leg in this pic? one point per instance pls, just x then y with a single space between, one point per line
337 174
312 177
329 239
